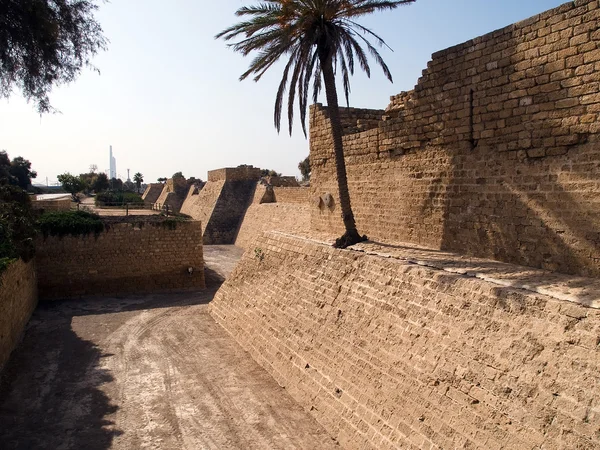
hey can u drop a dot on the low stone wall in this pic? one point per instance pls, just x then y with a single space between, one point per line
137 257
62 204
388 354
18 299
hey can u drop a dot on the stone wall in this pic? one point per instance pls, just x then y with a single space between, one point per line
228 212
138 257
283 209
172 195
235 174
389 354
152 192
18 299
291 195
495 153
61 204
291 218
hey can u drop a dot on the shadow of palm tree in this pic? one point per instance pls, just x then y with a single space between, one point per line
51 391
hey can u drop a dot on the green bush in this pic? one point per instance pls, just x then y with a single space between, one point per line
74 223
116 198
17 225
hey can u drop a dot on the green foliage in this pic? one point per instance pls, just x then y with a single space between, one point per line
177 175
259 254
304 167
114 198
101 183
269 173
72 184
16 172
116 184
138 179
44 43
161 180
17 226
314 38
74 223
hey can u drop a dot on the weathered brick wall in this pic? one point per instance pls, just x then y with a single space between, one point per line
388 354
228 212
136 257
510 175
200 206
234 174
63 204
173 194
293 218
18 299
152 192
283 209
291 194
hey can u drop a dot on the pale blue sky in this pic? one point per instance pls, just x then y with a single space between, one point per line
168 97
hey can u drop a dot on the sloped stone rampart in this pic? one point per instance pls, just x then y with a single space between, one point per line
18 299
152 192
388 354
131 258
200 206
286 217
495 153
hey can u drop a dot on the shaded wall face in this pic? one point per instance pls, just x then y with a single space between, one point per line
18 299
495 153
126 258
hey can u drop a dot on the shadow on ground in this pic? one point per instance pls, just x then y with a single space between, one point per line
54 400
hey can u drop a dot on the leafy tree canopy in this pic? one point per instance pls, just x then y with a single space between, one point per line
44 43
72 184
101 183
16 172
304 167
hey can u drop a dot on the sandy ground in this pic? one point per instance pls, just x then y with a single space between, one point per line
151 372
88 204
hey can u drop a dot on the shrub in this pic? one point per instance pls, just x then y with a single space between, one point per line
74 223
118 198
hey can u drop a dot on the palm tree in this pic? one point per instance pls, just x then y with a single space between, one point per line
138 178
318 37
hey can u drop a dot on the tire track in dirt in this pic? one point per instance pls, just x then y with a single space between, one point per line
181 382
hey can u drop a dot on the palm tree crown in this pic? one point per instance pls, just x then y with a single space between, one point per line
318 37
312 34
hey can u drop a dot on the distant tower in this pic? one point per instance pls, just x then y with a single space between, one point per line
128 179
113 165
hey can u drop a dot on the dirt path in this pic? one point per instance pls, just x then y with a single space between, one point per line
151 372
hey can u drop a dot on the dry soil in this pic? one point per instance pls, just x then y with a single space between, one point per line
150 372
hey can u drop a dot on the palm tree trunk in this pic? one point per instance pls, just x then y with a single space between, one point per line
351 235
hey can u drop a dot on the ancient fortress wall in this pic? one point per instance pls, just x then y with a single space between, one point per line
173 194
134 257
283 209
200 205
152 192
234 174
18 299
495 153
389 354
291 194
